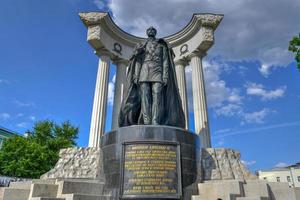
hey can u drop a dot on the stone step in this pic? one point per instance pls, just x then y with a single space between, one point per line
27 184
46 198
250 198
1 192
257 189
197 198
222 189
87 197
281 191
80 187
15 194
297 192
20 185
43 190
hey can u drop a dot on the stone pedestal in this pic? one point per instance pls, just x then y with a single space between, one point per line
139 159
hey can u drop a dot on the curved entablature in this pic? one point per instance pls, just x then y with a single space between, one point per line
109 39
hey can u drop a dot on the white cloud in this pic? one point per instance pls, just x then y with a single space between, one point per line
265 70
22 125
272 58
280 165
24 104
226 130
242 70
256 117
248 30
248 163
261 129
229 110
217 92
101 4
32 118
220 142
259 90
4 116
234 96
20 114
3 81
227 101
111 91
234 110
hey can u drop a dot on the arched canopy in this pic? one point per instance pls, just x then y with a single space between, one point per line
109 39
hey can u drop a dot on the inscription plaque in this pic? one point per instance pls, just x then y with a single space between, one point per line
151 170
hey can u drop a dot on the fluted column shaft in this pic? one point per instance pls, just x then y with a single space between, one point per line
100 102
199 98
180 74
118 94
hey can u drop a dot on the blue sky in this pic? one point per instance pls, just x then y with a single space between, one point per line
48 70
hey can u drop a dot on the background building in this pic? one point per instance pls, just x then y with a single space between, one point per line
290 174
5 133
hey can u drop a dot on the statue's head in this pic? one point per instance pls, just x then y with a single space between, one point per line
151 31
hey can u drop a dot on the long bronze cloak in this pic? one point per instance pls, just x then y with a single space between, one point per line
130 112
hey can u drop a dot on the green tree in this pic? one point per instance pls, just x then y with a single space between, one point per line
36 154
295 48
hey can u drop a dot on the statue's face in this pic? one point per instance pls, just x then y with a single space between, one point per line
151 32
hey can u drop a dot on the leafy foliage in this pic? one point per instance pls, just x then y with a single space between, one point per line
36 154
295 47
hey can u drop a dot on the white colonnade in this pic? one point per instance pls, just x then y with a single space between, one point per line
113 44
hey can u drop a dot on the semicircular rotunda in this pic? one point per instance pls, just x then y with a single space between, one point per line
113 45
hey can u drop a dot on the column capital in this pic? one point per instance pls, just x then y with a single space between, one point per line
103 54
120 61
105 58
197 53
182 62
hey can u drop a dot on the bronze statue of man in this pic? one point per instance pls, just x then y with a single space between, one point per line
151 92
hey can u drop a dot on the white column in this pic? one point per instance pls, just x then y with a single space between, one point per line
100 101
180 74
118 94
199 98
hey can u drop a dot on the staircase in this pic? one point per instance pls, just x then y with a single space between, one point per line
244 190
80 189
55 190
